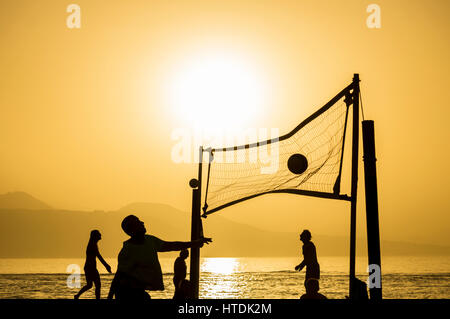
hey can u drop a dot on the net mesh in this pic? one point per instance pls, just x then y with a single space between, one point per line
239 173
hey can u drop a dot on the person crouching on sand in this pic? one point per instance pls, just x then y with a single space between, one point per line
312 290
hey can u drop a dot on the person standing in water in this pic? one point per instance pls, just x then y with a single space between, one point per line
90 266
179 275
309 257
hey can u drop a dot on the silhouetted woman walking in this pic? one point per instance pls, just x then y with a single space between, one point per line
90 266
309 257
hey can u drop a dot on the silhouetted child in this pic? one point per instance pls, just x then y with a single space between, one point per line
179 272
309 257
90 266
312 290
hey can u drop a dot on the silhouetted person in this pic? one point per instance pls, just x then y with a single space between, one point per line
138 266
90 266
180 269
179 276
184 291
312 290
359 290
309 257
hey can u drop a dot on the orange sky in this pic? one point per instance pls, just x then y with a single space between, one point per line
86 116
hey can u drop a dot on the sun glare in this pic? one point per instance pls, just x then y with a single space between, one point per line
217 92
224 266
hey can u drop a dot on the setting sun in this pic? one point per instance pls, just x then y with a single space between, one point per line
272 149
217 91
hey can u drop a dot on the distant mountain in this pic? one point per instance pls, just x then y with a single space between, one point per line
61 233
21 200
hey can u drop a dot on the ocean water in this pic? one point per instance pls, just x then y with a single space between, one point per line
230 278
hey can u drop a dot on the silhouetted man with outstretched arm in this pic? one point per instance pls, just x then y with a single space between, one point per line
138 266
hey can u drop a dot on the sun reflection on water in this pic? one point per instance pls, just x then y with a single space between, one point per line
222 278
224 266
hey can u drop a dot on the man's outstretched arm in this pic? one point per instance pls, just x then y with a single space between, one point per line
300 266
180 245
